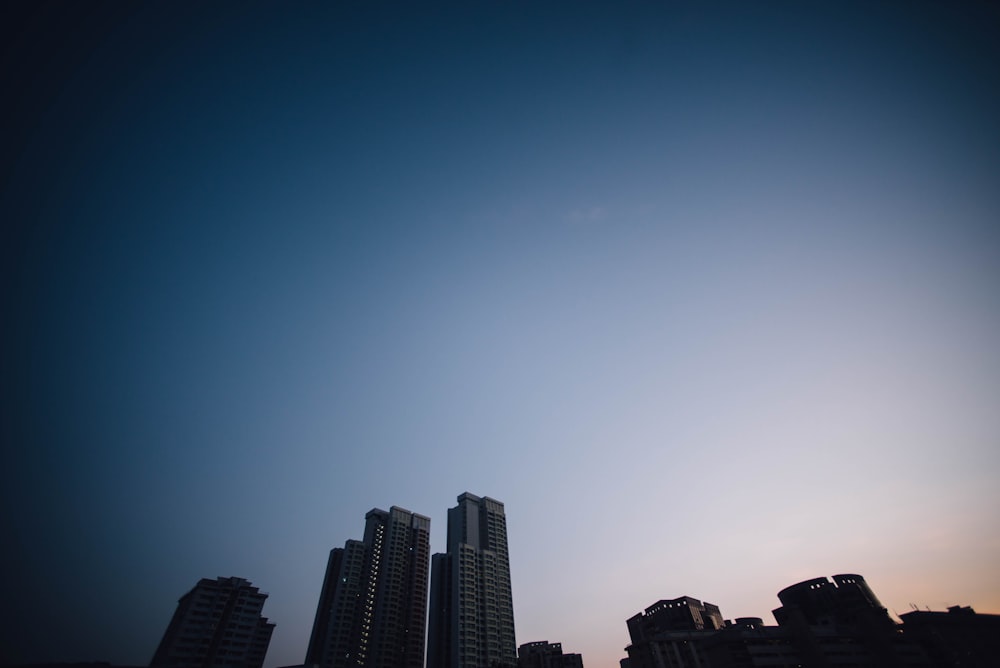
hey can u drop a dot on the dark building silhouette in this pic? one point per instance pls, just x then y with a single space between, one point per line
670 633
679 614
747 641
820 623
843 622
372 609
472 612
218 624
958 638
667 633
545 654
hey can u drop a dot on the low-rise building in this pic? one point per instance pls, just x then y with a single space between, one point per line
545 654
958 638
820 623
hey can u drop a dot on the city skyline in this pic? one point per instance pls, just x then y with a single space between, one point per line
706 295
367 612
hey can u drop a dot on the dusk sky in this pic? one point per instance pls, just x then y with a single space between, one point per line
707 294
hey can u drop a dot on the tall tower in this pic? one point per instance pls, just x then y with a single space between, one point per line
218 624
373 606
472 613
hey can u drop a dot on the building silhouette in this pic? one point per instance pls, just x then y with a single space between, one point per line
218 624
545 654
843 620
679 614
670 633
958 638
747 641
820 623
372 609
472 613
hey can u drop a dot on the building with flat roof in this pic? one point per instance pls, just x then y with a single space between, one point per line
679 614
472 611
545 654
218 624
671 633
958 638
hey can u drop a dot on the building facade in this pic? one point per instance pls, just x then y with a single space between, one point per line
671 633
472 612
218 624
545 654
372 608
679 614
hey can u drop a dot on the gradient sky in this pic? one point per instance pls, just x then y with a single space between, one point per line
708 296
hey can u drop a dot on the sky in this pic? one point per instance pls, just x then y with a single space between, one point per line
707 294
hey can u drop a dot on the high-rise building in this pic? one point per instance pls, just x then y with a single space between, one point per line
373 606
472 612
218 624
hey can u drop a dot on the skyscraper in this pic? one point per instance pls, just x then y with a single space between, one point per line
218 624
472 613
373 606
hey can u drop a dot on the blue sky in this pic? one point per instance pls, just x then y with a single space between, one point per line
707 296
